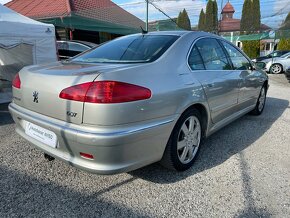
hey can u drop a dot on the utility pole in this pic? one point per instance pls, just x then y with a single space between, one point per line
220 21
147 14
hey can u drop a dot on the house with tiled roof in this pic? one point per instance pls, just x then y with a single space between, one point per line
229 24
90 20
229 27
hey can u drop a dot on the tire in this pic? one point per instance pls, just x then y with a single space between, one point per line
276 69
260 105
184 143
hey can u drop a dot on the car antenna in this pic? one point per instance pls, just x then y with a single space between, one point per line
143 31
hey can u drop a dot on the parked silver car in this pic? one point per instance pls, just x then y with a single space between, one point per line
137 100
278 65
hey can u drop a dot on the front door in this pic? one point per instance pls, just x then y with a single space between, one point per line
250 87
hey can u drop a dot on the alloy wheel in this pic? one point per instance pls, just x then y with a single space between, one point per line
188 139
262 99
276 69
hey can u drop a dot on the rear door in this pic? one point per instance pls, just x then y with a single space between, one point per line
210 65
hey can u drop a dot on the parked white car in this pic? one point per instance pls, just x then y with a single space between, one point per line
277 65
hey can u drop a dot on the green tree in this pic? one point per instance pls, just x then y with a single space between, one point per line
251 23
286 23
284 44
246 20
252 48
256 15
201 21
183 20
215 16
211 16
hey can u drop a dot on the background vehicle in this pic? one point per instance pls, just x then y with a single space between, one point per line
68 49
271 55
287 72
136 100
278 65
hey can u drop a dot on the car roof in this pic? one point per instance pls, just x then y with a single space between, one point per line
89 44
180 33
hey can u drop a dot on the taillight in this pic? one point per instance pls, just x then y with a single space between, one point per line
105 92
16 83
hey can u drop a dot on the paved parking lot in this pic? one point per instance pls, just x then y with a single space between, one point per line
242 171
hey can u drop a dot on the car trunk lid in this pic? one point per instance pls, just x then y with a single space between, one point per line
41 86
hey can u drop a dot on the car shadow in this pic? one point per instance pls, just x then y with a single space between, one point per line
26 196
5 117
287 75
219 147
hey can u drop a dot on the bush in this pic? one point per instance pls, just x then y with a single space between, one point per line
284 44
252 48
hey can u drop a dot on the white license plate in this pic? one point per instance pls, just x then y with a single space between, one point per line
43 135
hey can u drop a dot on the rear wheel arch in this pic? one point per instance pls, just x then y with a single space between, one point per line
186 137
204 115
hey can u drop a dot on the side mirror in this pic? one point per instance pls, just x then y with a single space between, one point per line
252 67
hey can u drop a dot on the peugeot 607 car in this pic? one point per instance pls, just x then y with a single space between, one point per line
137 100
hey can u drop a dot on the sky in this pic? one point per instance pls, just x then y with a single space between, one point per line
273 12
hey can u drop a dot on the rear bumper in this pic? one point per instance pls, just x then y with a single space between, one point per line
115 149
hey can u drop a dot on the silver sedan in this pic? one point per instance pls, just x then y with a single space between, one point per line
277 65
136 100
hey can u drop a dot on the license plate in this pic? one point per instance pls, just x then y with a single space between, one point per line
43 135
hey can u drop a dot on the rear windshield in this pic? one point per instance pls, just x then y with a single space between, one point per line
131 49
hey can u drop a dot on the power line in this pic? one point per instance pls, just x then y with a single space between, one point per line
237 3
163 12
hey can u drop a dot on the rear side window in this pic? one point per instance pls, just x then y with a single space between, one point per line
131 49
195 61
240 62
213 56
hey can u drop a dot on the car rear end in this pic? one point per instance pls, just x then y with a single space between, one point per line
98 117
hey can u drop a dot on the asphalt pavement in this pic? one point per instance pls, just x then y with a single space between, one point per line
243 170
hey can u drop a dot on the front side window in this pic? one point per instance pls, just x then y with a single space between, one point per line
240 62
130 49
213 55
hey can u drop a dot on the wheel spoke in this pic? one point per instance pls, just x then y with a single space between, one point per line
191 124
195 141
185 129
184 154
181 144
190 152
195 131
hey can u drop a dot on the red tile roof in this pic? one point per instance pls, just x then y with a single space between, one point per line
40 8
228 8
230 25
103 10
233 25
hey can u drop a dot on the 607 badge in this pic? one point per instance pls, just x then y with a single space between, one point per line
71 114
